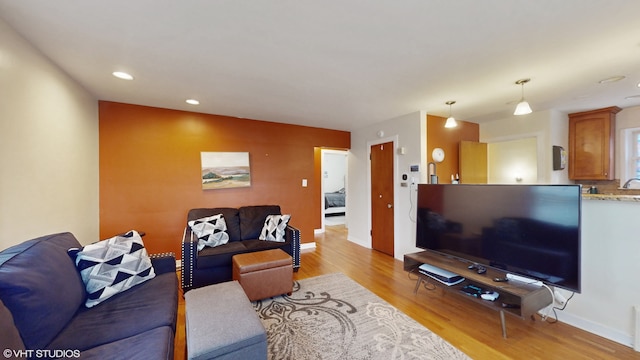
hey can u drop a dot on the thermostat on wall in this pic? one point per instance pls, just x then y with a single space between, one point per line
559 157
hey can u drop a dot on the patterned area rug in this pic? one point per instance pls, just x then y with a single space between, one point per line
333 317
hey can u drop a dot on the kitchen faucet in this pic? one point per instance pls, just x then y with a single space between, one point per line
626 185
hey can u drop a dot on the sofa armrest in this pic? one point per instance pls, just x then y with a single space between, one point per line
163 263
293 234
189 255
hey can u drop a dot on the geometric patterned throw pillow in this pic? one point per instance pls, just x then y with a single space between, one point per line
210 231
274 228
112 266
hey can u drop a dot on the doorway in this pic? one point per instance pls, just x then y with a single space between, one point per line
513 161
382 197
334 185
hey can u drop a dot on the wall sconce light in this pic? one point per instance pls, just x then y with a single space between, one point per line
451 121
523 107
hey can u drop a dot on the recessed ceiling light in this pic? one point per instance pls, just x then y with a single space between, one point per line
122 75
611 79
638 84
193 102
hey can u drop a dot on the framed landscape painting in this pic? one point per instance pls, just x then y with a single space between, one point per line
223 170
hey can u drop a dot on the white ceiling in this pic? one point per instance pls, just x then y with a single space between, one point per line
342 64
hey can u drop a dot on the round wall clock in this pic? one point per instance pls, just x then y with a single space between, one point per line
437 155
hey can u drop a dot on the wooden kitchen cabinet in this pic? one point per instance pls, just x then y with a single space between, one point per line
591 144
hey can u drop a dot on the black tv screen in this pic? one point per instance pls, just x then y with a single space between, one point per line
527 230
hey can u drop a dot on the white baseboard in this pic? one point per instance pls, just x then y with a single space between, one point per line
598 329
308 246
318 231
366 244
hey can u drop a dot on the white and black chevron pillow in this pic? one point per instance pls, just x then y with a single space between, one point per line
210 231
112 266
274 227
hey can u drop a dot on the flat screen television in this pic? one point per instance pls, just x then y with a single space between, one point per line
527 230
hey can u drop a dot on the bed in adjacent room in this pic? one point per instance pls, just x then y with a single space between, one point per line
334 202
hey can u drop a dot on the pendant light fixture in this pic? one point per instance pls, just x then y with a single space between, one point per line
451 122
523 107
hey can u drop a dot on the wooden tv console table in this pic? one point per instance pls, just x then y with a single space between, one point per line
529 299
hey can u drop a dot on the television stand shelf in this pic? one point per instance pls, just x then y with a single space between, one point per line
526 299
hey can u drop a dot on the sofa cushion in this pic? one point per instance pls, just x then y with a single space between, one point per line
231 219
219 255
10 338
153 344
148 306
111 266
274 228
252 219
211 231
41 287
222 255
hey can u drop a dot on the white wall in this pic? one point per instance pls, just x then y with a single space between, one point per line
548 127
610 267
48 148
513 161
408 131
558 133
552 128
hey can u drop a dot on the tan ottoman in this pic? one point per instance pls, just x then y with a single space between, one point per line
264 274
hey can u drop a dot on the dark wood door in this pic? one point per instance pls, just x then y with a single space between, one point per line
382 203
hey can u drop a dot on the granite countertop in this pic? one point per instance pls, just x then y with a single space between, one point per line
635 198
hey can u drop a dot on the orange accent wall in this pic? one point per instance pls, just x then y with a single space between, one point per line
449 140
150 169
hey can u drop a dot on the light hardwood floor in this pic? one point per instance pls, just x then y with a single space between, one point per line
470 327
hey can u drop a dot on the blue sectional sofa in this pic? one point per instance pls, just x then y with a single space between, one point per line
43 312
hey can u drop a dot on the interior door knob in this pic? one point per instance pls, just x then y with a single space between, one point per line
389 206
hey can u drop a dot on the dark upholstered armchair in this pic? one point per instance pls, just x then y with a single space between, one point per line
213 265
